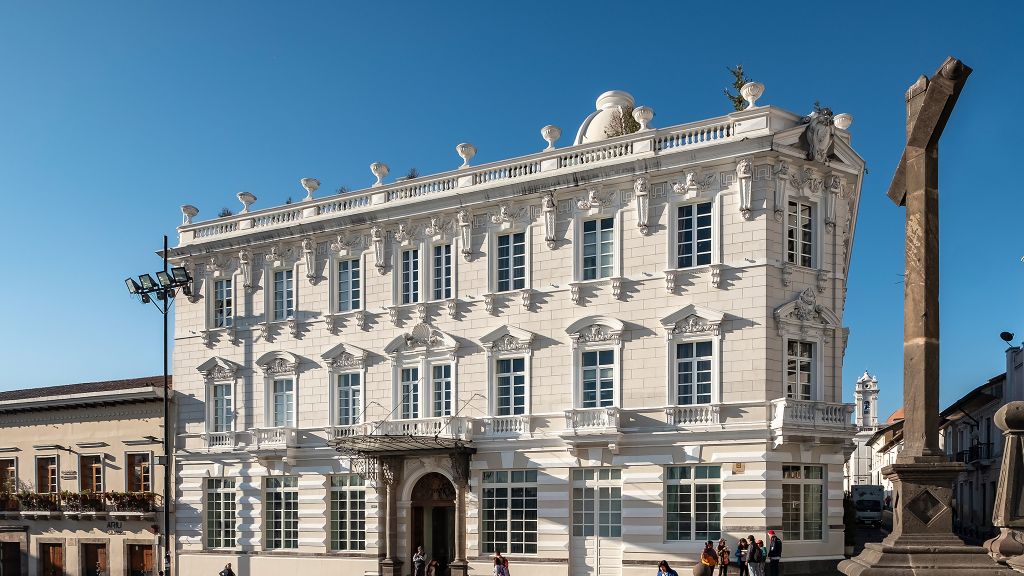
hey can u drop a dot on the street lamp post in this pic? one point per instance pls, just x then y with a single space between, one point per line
163 290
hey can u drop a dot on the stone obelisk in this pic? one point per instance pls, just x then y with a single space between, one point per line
922 540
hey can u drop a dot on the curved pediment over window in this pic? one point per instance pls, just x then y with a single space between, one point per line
218 368
345 356
423 338
508 339
803 314
596 329
693 319
278 362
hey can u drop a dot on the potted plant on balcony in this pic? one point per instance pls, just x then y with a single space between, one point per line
36 502
132 501
85 501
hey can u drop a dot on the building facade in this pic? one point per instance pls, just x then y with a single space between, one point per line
865 399
590 358
78 480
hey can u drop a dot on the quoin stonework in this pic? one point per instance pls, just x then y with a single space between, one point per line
589 358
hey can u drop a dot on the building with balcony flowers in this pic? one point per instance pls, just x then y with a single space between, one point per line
588 358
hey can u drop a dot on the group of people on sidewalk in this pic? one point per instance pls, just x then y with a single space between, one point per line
750 558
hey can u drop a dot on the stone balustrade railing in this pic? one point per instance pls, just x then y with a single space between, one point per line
653 141
220 440
583 420
273 438
446 426
506 426
811 414
687 416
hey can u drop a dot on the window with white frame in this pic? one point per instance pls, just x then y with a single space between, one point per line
223 303
800 234
281 513
510 386
349 285
348 513
803 512
511 262
284 295
410 390
47 470
90 473
282 397
508 511
693 503
137 469
348 395
800 370
220 513
598 248
9 475
597 502
222 410
597 378
441 272
693 372
410 276
441 387
693 232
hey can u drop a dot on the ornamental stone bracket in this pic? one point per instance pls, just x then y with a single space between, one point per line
693 185
617 285
805 316
670 281
787 274
716 275
548 209
526 298
489 302
821 279
464 221
641 192
309 258
377 240
745 176
452 305
333 322
781 173
245 266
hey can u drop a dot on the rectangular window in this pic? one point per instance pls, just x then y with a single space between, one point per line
598 248
410 276
223 304
597 502
90 473
693 373
349 397
799 369
800 234
222 419
442 268
410 393
349 287
803 515
220 513
693 503
511 262
598 378
283 402
284 295
508 511
693 231
510 376
46 475
442 388
8 475
139 479
348 513
281 520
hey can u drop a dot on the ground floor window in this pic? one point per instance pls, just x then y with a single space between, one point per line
803 511
597 502
693 503
281 520
509 512
348 513
220 513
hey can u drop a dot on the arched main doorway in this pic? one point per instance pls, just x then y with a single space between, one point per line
433 519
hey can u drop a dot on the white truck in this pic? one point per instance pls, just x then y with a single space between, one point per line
868 499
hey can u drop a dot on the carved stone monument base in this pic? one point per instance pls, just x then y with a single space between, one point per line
458 568
391 568
922 540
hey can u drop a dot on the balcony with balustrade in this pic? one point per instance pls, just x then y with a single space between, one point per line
795 420
273 439
221 441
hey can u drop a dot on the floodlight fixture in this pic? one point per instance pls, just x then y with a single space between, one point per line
147 282
164 278
180 274
133 286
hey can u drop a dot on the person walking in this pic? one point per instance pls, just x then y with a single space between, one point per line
741 557
665 570
754 554
227 571
504 562
708 559
724 556
419 561
774 553
499 568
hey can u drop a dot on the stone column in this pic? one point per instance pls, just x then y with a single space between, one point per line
1008 509
460 473
388 476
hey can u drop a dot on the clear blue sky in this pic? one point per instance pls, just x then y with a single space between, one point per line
112 114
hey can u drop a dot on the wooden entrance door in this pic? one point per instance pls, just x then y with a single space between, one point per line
51 560
140 560
10 559
94 560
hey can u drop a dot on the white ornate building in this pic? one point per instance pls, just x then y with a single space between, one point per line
589 358
865 400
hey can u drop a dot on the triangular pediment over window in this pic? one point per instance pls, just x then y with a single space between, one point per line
596 329
803 314
693 319
345 356
218 368
508 339
278 362
422 338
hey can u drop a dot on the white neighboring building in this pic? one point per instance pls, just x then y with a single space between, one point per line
590 358
885 445
865 418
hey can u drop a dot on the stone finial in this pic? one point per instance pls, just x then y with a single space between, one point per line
551 134
188 212
247 199
643 115
380 170
466 151
751 91
310 184
843 121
